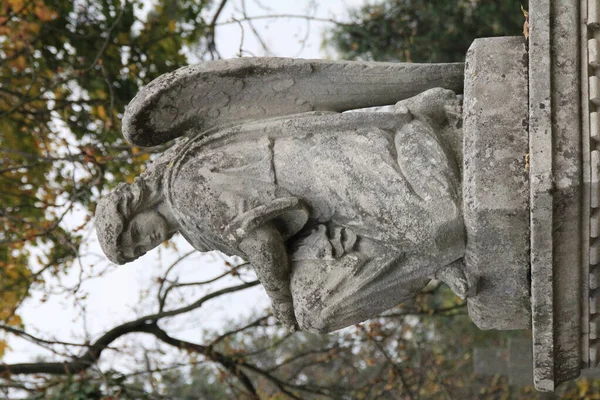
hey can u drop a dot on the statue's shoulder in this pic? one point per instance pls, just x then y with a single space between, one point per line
230 134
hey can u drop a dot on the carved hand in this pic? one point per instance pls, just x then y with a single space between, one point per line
284 312
265 250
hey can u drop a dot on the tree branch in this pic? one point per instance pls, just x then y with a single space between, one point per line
210 32
230 363
146 324
294 16
163 297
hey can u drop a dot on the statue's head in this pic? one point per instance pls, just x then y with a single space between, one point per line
130 220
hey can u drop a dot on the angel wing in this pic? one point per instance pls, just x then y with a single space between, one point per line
221 92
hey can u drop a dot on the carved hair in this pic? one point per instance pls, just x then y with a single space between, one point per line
115 211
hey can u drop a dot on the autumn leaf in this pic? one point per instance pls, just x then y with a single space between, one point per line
526 23
101 112
21 63
16 5
44 13
3 347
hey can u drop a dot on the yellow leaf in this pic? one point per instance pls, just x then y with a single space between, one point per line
172 26
21 62
526 23
14 320
143 157
16 5
584 386
101 94
43 13
101 112
3 347
33 28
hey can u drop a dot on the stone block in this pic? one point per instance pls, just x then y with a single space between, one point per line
496 184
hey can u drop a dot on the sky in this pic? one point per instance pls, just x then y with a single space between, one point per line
120 293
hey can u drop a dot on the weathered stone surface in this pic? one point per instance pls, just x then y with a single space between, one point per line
222 92
540 130
346 215
341 215
495 187
567 145
557 238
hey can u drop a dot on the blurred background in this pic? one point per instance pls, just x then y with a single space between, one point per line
178 324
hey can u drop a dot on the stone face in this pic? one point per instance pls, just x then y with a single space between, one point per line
495 187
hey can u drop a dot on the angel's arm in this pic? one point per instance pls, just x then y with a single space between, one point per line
265 250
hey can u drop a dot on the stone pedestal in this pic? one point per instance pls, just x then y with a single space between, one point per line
532 204
496 183
558 210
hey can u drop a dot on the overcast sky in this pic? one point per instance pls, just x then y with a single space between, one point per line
118 296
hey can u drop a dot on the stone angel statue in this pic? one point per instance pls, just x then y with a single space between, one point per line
342 215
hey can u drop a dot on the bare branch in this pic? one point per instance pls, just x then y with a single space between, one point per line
254 323
279 16
163 297
396 368
296 357
146 324
254 31
271 346
37 340
230 363
210 33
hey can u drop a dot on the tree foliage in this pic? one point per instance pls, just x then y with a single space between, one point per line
67 70
423 31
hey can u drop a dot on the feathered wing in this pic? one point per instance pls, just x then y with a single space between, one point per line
221 92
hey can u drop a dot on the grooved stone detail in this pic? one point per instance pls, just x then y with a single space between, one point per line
559 219
593 52
595 90
593 18
593 11
594 126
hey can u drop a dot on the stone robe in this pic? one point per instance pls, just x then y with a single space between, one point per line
368 205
